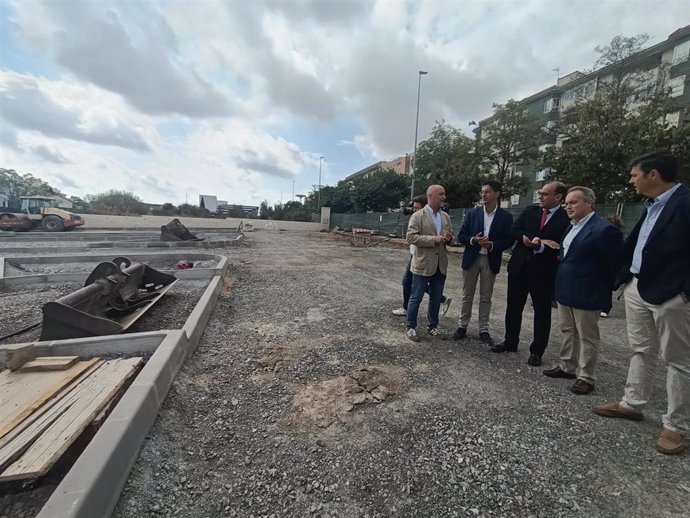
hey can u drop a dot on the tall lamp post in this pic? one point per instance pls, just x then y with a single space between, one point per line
416 128
318 203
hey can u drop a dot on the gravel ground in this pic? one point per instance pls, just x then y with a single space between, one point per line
305 399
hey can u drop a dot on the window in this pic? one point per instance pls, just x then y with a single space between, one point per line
551 105
677 85
544 147
680 52
672 119
515 199
535 197
541 175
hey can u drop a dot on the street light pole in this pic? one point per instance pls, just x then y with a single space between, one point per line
318 203
293 190
416 128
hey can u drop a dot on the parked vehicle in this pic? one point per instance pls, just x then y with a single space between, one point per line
38 211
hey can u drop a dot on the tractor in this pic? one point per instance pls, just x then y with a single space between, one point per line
38 211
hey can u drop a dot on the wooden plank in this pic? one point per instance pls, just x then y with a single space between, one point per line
95 392
49 363
18 440
18 356
21 393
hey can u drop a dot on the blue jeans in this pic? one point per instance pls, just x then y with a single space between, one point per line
420 284
407 286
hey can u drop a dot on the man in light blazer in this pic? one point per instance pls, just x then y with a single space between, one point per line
429 230
589 260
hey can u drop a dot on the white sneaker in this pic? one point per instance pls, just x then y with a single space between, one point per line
412 335
446 306
604 315
434 331
401 312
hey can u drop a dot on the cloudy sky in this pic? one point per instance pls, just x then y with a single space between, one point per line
240 98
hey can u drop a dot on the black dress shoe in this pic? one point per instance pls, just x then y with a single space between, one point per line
503 348
534 360
486 338
557 372
460 333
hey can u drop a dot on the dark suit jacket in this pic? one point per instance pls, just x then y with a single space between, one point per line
585 276
528 224
499 234
665 270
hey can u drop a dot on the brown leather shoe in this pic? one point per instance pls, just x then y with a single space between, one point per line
557 372
615 410
670 442
581 387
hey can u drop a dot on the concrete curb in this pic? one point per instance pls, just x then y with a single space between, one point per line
192 274
92 487
167 244
127 345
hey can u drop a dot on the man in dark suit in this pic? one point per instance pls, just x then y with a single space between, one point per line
656 274
486 234
532 269
590 257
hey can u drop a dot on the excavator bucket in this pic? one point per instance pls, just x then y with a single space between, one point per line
176 231
114 296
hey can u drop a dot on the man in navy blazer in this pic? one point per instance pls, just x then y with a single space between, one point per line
656 274
486 234
590 257
532 269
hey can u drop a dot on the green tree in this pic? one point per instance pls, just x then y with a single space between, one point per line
14 185
510 138
625 117
447 158
167 209
379 192
79 203
116 202
265 211
192 211
338 198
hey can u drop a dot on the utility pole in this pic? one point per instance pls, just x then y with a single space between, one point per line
318 203
416 128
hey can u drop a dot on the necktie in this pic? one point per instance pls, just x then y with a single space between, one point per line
544 215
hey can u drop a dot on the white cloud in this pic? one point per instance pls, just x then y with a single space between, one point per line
259 87
63 110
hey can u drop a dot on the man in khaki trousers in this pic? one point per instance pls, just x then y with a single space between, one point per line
656 272
590 257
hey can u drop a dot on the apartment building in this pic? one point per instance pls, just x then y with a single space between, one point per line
400 165
665 65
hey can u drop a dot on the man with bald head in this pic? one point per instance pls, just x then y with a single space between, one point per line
429 230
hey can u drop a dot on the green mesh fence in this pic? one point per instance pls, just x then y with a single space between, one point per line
395 223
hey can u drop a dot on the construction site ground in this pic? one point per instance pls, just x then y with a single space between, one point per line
305 398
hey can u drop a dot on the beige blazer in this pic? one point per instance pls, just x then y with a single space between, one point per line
431 255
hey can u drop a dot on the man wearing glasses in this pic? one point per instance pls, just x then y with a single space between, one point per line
532 269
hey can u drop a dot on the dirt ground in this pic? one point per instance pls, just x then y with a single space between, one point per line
305 398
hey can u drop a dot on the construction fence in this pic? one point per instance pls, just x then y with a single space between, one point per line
395 223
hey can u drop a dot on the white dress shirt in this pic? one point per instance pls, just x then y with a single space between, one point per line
577 226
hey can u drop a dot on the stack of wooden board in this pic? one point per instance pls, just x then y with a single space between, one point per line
44 410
